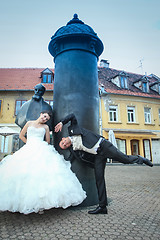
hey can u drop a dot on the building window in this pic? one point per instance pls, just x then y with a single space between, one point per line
147 115
15 143
0 106
131 114
47 78
145 87
113 113
123 82
147 149
4 144
19 104
121 145
50 102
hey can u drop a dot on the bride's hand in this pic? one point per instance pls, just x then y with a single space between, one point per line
58 127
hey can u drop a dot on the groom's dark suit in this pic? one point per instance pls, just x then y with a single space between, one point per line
105 150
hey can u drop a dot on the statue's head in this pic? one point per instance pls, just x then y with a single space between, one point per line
39 90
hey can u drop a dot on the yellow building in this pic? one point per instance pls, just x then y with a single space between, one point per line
17 87
130 106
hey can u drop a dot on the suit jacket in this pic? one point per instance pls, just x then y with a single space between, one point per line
89 139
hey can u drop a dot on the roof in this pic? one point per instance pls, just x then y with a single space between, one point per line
105 76
21 79
25 79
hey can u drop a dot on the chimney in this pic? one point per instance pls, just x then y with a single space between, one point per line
104 63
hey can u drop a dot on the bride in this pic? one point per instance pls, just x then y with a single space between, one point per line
37 177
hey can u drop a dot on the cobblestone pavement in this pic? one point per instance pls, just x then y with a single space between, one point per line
133 212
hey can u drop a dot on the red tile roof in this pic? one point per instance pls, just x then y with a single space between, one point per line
106 74
21 79
25 79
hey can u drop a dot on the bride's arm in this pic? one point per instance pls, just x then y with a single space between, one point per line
47 137
23 132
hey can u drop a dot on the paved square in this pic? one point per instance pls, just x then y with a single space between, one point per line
133 212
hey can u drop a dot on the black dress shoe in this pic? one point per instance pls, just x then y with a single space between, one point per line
145 161
99 210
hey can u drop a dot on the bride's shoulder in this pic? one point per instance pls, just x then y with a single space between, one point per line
30 123
46 127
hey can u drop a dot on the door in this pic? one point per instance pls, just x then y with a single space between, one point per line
147 148
156 150
135 147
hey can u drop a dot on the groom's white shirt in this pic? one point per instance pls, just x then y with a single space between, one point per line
78 145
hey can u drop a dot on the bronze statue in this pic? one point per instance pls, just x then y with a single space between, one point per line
32 108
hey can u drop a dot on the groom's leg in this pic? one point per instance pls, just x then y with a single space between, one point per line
99 168
110 151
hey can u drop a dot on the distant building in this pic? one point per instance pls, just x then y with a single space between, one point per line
130 106
17 87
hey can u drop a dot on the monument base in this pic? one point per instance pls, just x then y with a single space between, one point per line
86 177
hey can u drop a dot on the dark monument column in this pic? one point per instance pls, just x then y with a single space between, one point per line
76 48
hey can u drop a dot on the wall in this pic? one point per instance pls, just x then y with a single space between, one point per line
139 130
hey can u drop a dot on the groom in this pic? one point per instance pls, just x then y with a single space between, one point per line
99 150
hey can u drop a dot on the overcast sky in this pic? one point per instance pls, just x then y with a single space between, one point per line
129 30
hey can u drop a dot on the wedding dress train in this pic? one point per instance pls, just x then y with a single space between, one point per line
37 177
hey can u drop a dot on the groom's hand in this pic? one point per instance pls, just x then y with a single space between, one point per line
58 127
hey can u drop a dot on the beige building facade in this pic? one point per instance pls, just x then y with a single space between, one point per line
131 112
17 87
129 106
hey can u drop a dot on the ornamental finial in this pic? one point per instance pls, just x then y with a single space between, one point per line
75 20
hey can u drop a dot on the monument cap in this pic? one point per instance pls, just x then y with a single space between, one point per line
75 28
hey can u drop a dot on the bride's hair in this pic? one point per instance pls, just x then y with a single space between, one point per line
48 112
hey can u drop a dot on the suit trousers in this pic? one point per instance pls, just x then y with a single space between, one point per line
108 150
99 168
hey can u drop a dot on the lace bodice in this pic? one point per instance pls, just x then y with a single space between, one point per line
34 133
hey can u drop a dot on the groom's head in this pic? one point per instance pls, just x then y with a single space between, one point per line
65 143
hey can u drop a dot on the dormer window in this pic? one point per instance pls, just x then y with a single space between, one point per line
144 86
156 86
123 80
47 76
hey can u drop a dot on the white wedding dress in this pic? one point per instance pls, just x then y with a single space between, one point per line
37 177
